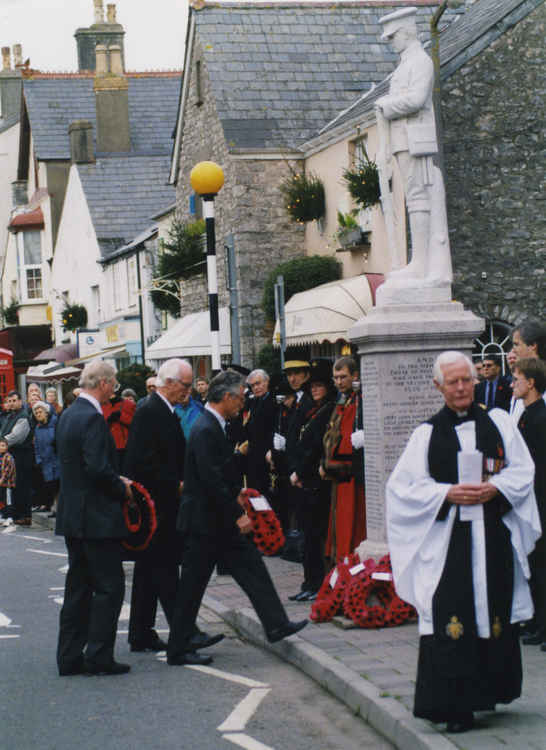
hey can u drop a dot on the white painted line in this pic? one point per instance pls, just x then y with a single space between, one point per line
56 588
35 538
247 682
64 569
59 600
243 740
243 712
45 552
125 611
5 621
163 631
9 636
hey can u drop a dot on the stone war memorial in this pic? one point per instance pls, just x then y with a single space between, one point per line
415 317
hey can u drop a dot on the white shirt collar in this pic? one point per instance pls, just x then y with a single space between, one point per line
171 406
218 416
91 400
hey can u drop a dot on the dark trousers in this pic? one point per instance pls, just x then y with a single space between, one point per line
22 492
315 513
94 591
153 580
242 560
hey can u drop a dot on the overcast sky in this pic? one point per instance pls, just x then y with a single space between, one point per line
154 31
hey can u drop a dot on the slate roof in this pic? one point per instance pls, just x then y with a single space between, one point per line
464 37
280 72
54 101
8 122
122 193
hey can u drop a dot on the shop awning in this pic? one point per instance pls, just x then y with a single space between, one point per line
61 353
102 354
190 337
52 372
326 312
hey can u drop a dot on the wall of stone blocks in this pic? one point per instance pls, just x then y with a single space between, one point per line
494 111
249 207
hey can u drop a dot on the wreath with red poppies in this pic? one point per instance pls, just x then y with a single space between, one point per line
140 518
266 528
364 592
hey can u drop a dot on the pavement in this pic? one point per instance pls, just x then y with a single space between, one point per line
373 671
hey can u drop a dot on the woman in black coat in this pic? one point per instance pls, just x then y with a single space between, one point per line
304 464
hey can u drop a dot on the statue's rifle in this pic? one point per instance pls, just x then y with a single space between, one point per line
385 173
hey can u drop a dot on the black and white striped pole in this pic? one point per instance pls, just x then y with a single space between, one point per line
206 179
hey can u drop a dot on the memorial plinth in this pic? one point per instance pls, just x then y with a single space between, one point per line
397 345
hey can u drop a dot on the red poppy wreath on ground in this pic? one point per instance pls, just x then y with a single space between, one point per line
266 528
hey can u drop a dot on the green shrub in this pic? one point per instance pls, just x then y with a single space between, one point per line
134 376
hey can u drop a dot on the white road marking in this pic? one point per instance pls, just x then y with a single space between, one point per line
246 681
243 712
59 600
243 740
56 588
9 636
35 538
125 611
64 569
46 552
163 631
5 621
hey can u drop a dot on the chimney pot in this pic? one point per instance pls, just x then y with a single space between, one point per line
102 59
6 58
111 13
17 55
99 11
116 62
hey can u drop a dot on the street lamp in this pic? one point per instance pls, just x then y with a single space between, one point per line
206 179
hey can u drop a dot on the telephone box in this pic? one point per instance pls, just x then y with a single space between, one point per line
7 374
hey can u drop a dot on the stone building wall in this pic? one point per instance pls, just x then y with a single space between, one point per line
494 115
248 207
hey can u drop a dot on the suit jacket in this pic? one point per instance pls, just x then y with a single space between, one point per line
259 432
503 393
212 482
91 492
155 457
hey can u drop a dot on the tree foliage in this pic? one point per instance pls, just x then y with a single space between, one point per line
182 256
299 275
134 376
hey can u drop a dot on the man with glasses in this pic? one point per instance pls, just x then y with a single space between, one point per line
155 458
89 516
495 389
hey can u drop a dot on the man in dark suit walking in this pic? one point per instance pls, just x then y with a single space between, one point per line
89 516
155 458
215 527
495 390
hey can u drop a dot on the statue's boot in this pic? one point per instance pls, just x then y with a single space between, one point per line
420 229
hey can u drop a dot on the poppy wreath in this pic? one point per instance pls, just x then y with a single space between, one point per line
330 598
363 589
140 518
266 528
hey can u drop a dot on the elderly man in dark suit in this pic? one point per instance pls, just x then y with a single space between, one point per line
215 527
155 458
89 516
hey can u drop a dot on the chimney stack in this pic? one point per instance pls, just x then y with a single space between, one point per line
111 13
101 54
99 11
112 103
6 58
81 142
17 56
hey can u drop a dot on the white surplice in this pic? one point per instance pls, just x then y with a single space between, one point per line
418 543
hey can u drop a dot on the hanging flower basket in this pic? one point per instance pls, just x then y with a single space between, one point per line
303 197
363 183
74 317
11 313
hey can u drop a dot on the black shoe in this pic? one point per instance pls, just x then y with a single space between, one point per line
298 597
311 596
533 639
106 669
285 630
77 668
190 657
462 723
152 643
204 640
